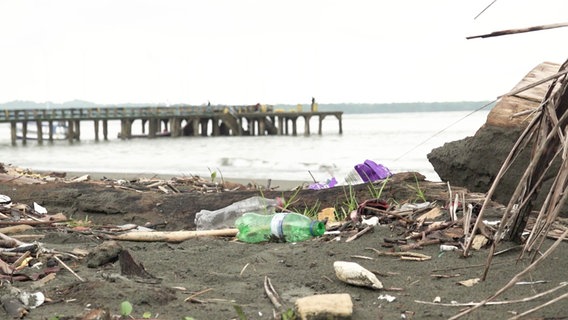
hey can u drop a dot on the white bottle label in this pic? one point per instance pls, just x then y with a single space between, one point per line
276 225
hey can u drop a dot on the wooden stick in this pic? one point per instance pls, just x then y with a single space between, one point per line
401 254
419 244
173 236
191 297
272 294
243 269
434 227
8 238
360 233
17 263
68 269
521 30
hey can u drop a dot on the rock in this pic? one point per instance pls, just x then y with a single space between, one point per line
325 306
104 253
474 162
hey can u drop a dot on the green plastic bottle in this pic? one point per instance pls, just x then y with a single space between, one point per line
284 226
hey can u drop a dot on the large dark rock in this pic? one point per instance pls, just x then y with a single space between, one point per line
475 161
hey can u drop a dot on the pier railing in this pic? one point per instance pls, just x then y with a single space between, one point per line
158 121
109 113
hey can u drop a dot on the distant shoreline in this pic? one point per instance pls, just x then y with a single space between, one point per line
347 108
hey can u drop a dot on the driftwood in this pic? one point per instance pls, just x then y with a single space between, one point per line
173 236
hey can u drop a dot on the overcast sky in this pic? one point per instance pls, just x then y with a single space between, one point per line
244 52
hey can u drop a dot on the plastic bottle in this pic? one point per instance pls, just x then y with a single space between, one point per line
368 171
353 178
284 226
225 217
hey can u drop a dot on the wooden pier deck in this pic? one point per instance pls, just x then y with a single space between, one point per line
157 121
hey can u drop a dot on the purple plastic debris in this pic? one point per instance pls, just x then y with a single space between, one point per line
370 171
330 183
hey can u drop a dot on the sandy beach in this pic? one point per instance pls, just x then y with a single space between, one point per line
212 277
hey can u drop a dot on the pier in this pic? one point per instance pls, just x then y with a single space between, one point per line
161 121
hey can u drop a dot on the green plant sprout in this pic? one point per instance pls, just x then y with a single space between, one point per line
80 223
289 314
376 192
312 212
287 203
420 195
240 312
212 174
350 202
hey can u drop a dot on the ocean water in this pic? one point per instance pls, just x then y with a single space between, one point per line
399 141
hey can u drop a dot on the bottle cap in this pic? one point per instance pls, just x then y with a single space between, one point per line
317 228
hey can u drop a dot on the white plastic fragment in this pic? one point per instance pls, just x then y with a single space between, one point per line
414 206
32 300
39 209
469 282
82 178
371 222
445 247
493 223
4 199
355 274
387 297
134 228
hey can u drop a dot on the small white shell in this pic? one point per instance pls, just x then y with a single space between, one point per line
355 274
